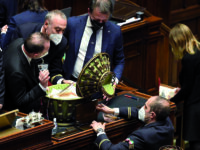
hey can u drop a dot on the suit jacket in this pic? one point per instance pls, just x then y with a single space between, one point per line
2 83
22 87
56 52
149 137
112 44
189 79
19 19
8 8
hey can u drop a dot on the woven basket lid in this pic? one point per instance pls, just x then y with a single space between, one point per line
95 77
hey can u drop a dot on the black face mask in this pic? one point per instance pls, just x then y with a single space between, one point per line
96 25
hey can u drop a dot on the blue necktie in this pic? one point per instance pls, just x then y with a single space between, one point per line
91 47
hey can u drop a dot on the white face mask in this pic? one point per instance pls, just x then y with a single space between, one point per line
141 114
56 38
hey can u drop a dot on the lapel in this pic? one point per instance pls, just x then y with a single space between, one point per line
26 65
106 37
79 32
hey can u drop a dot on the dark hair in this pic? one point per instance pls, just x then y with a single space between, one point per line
35 42
105 6
32 5
161 108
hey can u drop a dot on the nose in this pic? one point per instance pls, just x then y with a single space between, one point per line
60 32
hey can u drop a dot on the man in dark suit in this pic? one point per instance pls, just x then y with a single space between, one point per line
23 89
8 8
2 82
2 86
157 131
108 39
54 26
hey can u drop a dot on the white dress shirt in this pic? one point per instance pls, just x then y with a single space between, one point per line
84 44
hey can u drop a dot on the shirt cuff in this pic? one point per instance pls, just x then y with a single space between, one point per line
116 80
100 133
116 111
60 81
43 88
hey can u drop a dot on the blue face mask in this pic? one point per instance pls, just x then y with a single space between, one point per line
97 25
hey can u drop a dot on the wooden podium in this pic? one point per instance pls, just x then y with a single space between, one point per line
35 137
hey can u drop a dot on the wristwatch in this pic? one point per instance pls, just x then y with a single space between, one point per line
99 130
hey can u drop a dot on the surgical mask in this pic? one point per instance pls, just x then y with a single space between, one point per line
96 25
141 114
56 38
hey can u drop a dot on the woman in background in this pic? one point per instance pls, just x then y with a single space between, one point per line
28 11
186 47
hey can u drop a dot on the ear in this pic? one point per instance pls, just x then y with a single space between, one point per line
46 23
153 115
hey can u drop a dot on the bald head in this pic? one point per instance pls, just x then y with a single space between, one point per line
35 43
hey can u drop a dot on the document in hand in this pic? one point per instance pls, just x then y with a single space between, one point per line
166 91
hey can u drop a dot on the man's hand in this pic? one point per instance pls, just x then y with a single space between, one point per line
4 29
68 81
108 98
177 90
105 109
95 125
44 78
1 105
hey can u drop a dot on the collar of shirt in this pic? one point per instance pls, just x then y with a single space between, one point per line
28 58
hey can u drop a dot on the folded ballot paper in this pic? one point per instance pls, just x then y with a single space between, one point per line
131 20
166 91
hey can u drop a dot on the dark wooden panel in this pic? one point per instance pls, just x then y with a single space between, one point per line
78 6
133 71
191 2
177 4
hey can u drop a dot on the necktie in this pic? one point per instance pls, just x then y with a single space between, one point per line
91 47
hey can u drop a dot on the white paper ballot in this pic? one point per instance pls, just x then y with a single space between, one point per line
131 20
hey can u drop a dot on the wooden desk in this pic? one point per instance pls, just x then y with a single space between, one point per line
117 131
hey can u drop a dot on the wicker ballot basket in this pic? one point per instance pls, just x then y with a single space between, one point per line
62 107
95 77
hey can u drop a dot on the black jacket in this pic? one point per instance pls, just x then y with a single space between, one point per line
189 79
22 88
56 52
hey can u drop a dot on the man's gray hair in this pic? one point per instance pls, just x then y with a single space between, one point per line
105 6
53 13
